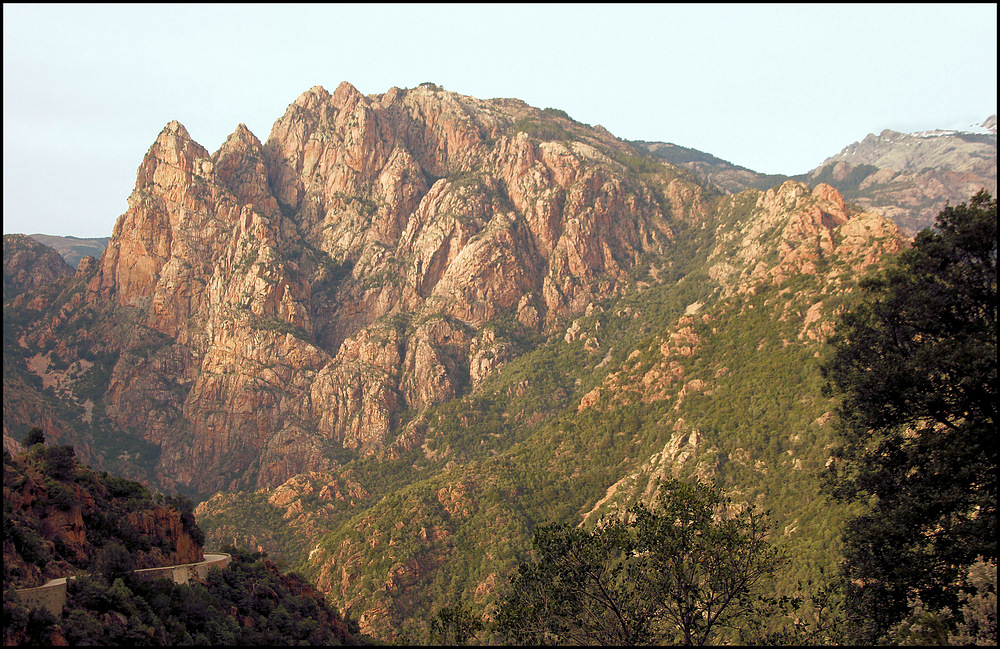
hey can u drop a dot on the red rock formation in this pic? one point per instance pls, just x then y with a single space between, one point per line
279 272
805 227
29 264
67 511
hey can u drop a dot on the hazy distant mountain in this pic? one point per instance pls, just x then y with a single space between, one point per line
73 249
908 177
28 263
728 177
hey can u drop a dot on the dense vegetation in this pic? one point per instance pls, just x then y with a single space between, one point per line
676 574
849 184
916 362
250 602
48 494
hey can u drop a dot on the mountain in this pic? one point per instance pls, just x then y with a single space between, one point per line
728 177
386 343
708 370
311 290
73 249
908 177
29 264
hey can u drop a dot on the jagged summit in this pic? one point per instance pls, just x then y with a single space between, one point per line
311 97
176 128
243 134
310 288
298 254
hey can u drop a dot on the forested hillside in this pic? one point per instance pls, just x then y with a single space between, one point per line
62 519
709 370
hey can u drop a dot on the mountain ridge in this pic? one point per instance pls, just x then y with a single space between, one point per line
908 177
726 176
302 206
390 340
74 249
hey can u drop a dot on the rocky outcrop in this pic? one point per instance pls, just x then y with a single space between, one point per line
794 230
59 515
28 264
306 290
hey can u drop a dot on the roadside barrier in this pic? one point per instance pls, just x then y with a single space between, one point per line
52 594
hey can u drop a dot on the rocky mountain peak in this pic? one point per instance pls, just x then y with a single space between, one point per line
243 134
345 95
825 192
303 254
305 291
312 97
172 158
176 128
910 177
171 190
239 165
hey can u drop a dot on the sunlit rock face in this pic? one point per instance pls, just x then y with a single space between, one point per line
310 288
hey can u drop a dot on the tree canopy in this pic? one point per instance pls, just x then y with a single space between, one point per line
34 436
915 364
676 574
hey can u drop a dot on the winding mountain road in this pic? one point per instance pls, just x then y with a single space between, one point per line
52 594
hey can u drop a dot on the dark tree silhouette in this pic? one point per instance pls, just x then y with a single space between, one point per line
34 436
915 362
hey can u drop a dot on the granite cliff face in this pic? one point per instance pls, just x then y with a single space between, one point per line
299 295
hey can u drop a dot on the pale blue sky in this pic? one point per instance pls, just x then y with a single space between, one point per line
776 88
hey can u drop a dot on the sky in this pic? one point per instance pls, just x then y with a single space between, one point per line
774 88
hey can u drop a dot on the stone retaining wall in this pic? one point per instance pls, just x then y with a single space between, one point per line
52 595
